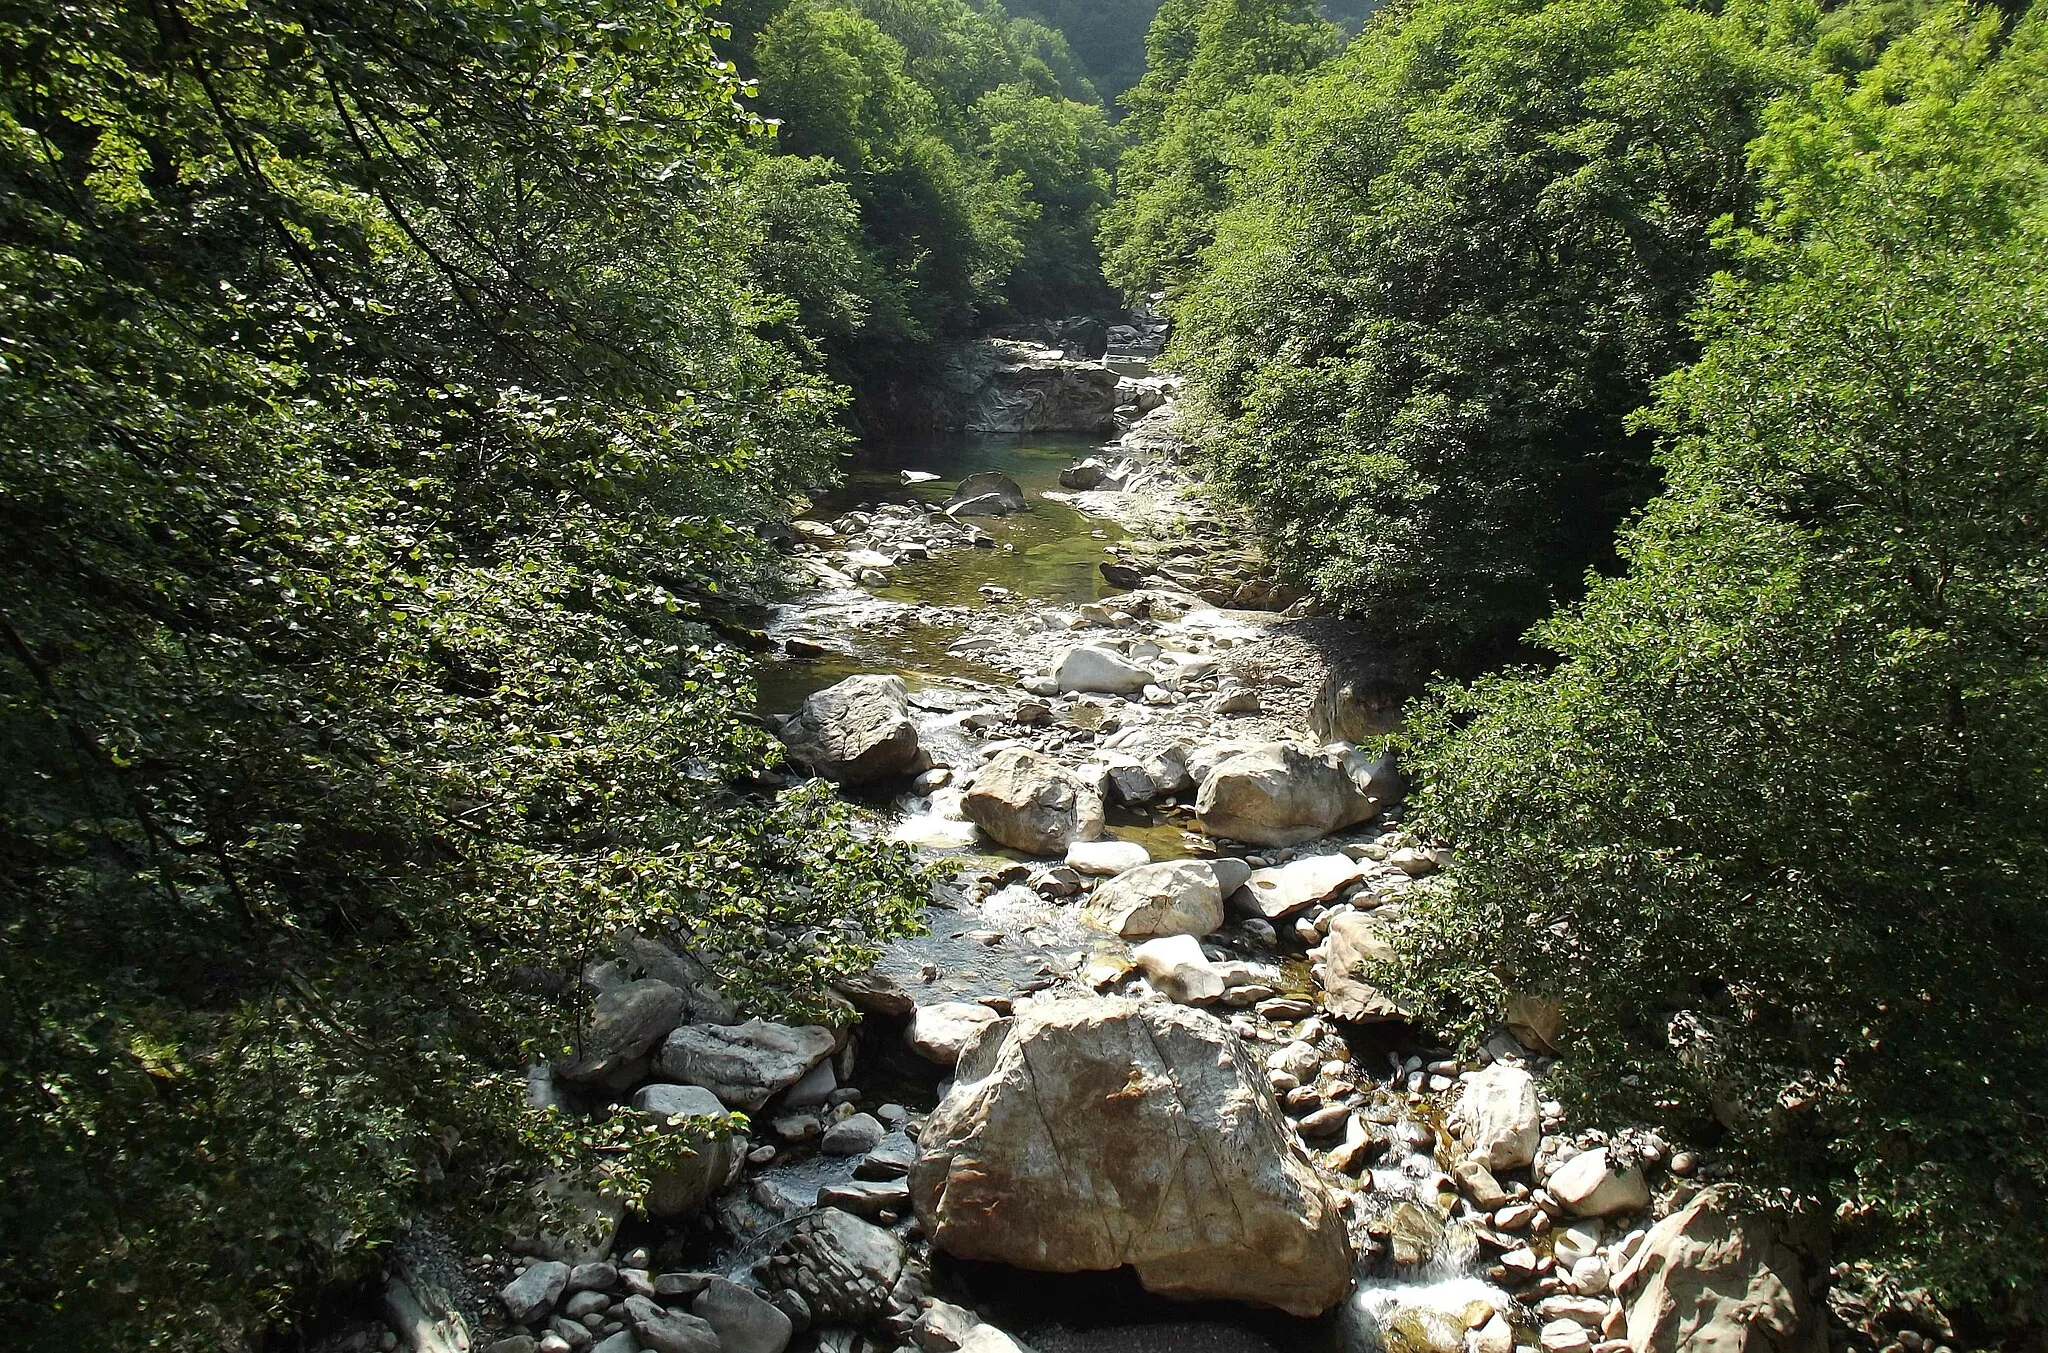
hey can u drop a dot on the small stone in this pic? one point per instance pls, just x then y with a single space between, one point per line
1495 1336
1564 1336
870 1198
1515 1216
855 1136
1589 1186
602 1276
793 1305
517 1343
1325 1122
797 1127
1107 856
938 1032
667 1331
680 1286
554 1343
585 1303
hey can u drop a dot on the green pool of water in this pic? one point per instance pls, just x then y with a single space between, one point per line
1045 556
1048 554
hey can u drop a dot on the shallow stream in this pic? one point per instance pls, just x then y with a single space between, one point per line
1015 941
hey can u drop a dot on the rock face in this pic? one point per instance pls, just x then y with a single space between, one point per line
1101 670
856 731
990 493
1173 897
685 1189
629 1019
743 1064
1708 1280
997 385
1590 1185
1355 938
1277 794
1029 802
1097 1133
1501 1117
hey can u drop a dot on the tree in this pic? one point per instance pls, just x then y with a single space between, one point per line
1463 259
384 415
1216 72
1772 829
1063 155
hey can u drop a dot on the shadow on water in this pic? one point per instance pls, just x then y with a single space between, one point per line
1112 1313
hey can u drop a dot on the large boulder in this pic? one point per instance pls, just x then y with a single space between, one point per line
1500 1117
1029 802
743 1064
1355 941
844 1267
1172 897
1591 1184
1279 892
997 385
1708 1279
990 493
683 1189
939 1032
628 1020
1097 1133
1277 794
1102 670
856 732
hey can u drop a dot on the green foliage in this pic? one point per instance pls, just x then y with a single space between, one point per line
1107 36
974 153
1464 258
1060 153
370 438
1773 829
1216 72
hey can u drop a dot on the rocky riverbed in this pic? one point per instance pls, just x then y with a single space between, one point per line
1135 1086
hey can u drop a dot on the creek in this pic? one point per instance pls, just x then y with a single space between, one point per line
953 625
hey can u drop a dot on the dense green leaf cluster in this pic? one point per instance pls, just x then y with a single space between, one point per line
1774 827
1461 257
976 155
1216 72
384 403
1107 36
